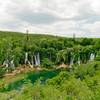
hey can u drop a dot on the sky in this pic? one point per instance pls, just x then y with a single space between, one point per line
55 17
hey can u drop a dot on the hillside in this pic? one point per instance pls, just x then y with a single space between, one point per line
44 67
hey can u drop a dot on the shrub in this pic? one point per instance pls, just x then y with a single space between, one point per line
59 79
2 71
47 63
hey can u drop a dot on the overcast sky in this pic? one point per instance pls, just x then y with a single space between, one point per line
60 17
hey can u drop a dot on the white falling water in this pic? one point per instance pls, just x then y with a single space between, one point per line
36 62
12 64
71 62
92 56
32 61
26 58
6 63
37 59
79 62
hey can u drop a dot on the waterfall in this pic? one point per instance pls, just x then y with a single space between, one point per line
71 62
12 65
32 61
79 62
26 58
92 56
37 59
9 64
36 62
6 63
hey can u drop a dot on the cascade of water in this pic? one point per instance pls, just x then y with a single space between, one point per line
6 63
37 59
36 62
92 56
79 62
32 61
26 58
71 62
12 64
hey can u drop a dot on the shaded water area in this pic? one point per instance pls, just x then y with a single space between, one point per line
31 77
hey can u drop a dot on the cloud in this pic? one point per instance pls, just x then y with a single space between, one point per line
37 17
61 17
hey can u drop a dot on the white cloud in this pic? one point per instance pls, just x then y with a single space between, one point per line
62 17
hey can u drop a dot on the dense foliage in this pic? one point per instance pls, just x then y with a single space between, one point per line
55 50
81 81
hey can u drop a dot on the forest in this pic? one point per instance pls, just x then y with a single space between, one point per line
46 67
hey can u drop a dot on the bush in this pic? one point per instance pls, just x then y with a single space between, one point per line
2 71
59 79
98 57
77 89
84 70
47 63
